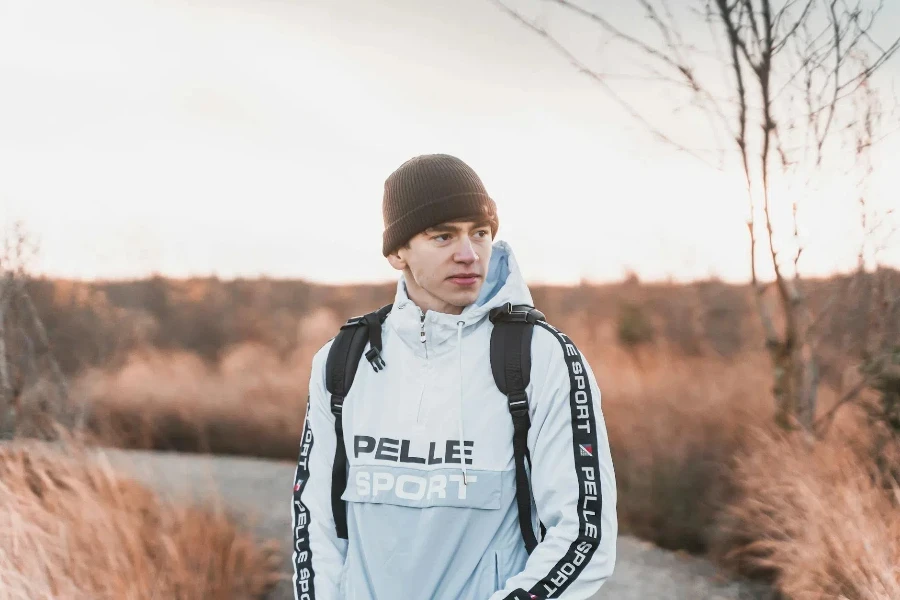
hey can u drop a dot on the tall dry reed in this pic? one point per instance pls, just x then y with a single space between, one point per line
72 529
815 518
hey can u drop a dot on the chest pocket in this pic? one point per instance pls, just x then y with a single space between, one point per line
421 488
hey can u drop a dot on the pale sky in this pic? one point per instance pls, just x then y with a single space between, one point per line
253 137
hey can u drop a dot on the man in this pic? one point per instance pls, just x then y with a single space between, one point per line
430 496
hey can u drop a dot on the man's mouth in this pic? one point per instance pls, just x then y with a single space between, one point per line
464 278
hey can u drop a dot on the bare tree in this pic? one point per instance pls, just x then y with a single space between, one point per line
795 74
34 394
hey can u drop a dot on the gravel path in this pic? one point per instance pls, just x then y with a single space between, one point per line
258 493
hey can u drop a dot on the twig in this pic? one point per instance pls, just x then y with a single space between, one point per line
823 423
598 79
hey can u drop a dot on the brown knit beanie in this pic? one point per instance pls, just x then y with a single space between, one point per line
429 190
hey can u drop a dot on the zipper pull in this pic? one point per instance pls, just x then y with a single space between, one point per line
422 331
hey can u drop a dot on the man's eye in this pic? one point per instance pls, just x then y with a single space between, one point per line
483 232
442 237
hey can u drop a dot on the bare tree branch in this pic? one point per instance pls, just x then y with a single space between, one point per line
793 28
597 78
824 422
835 23
26 357
747 9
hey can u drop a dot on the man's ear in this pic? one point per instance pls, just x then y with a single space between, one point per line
397 260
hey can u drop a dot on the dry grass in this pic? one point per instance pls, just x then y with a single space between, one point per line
695 466
210 366
674 425
251 404
814 518
73 529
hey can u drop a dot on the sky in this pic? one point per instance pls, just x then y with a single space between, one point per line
253 137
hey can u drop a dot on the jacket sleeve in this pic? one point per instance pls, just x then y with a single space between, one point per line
572 477
318 554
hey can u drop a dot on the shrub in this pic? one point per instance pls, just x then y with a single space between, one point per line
634 326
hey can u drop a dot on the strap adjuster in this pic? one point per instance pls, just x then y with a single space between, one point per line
337 405
520 313
354 322
518 403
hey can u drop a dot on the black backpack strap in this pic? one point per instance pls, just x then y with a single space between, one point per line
511 366
340 370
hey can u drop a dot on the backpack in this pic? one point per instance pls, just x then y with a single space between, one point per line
511 367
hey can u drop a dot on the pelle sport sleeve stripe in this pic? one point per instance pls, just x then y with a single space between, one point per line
587 467
304 575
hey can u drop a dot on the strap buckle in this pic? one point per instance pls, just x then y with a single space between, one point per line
375 359
518 403
337 405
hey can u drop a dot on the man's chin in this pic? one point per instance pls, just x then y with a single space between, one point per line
464 299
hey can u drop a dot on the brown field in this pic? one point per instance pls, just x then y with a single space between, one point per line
223 367
74 530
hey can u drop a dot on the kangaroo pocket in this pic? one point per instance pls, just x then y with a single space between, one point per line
418 533
420 488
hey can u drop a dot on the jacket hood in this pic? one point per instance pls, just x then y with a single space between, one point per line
503 283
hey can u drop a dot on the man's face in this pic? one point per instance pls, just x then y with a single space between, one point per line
446 265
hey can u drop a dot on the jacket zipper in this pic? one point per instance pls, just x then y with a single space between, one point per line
425 377
422 333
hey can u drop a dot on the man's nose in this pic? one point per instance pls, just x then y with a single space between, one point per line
465 253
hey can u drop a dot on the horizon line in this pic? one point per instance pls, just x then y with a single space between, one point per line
584 281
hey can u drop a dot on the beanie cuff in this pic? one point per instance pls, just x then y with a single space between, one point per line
443 210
